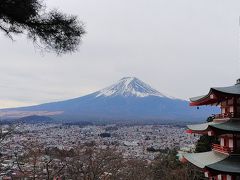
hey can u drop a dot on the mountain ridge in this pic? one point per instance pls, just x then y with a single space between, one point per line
130 99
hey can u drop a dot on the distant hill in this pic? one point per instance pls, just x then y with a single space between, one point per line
35 119
128 100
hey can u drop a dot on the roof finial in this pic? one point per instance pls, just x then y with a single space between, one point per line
238 43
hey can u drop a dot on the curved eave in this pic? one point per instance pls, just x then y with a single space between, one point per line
200 100
232 126
206 99
203 160
229 165
203 100
193 99
200 127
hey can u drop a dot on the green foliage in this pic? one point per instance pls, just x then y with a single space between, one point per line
52 30
205 142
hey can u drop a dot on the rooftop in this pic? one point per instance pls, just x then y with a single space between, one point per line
215 161
229 126
214 93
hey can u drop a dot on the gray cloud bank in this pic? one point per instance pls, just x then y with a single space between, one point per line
179 47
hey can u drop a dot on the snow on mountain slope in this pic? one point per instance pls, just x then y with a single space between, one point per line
130 86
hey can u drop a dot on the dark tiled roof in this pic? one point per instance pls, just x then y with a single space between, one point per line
215 161
231 165
204 159
232 125
232 90
229 90
199 127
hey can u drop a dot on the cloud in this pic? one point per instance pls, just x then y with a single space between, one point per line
12 103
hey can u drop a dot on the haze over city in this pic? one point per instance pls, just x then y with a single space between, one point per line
172 45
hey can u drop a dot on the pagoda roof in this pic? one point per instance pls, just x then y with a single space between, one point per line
233 90
231 165
215 161
197 98
202 160
200 127
207 99
232 126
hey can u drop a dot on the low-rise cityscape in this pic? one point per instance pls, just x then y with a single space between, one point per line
142 141
133 141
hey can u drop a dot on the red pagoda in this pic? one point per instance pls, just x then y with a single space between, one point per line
223 162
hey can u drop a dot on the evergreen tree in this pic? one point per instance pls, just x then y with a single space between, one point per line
204 143
51 30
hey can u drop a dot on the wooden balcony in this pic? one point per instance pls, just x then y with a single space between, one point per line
222 149
224 115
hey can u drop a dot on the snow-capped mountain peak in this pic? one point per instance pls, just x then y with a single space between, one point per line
130 86
128 100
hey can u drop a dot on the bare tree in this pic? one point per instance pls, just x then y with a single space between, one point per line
167 167
6 133
136 169
93 164
38 162
29 162
106 164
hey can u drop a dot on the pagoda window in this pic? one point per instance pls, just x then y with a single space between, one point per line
223 110
238 100
224 177
229 177
206 174
230 101
238 145
210 133
212 96
222 141
219 177
226 142
224 103
227 110
231 109
238 109
231 143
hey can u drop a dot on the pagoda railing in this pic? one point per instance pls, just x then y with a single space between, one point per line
223 115
222 149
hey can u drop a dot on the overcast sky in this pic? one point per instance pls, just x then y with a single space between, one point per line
179 47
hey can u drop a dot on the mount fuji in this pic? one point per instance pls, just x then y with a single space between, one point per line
128 100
